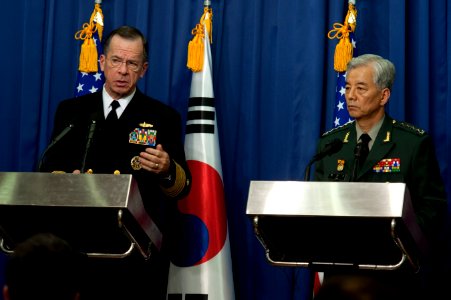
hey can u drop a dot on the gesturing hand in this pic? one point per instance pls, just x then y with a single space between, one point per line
155 160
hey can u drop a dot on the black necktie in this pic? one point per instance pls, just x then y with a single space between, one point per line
365 138
112 116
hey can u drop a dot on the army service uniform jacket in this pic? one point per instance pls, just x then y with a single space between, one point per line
400 153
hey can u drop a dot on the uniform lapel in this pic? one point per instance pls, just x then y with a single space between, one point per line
345 158
92 107
133 106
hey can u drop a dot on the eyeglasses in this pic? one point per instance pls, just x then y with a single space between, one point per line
130 64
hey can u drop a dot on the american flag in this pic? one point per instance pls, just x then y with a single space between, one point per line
90 82
341 115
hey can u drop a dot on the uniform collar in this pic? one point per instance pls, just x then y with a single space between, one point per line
372 132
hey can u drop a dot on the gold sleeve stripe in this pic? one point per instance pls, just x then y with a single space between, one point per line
179 182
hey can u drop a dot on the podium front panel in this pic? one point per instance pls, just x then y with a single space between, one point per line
91 211
331 224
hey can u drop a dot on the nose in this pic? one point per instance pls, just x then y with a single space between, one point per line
123 68
350 94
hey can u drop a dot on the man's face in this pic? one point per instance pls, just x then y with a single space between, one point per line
365 101
123 66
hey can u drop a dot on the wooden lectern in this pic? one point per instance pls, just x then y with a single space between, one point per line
102 215
327 225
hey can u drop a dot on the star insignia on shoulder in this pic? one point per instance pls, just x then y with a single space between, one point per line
409 127
338 128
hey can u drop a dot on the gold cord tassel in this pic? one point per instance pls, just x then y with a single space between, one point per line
196 50
88 52
195 61
88 56
344 49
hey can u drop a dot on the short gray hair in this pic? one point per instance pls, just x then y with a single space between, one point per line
384 70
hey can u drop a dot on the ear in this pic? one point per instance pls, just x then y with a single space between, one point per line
144 69
6 292
385 95
102 62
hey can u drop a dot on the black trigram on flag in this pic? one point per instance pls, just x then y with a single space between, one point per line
201 115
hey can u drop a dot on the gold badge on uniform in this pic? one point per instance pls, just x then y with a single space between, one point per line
346 139
145 125
340 164
136 165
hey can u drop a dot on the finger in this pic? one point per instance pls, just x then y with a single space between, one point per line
160 147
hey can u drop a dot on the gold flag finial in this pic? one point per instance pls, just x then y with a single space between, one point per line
195 60
88 52
344 49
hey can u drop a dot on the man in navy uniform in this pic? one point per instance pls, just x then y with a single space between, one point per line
119 130
397 151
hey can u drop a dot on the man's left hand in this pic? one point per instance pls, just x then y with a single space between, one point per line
155 160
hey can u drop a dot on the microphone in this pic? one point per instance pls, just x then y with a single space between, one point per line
357 155
92 129
54 141
332 147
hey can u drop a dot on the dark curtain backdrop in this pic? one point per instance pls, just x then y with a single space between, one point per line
273 79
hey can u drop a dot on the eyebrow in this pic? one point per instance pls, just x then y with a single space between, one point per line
359 83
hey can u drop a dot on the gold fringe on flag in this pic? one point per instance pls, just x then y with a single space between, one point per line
195 60
88 52
344 49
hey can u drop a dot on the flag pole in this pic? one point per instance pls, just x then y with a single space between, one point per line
195 58
342 32
202 267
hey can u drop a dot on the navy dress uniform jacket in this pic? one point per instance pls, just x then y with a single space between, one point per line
111 150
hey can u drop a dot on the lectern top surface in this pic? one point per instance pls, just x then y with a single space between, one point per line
92 190
359 199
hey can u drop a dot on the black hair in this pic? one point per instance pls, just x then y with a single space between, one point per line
44 266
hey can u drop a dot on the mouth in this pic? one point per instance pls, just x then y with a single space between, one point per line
120 83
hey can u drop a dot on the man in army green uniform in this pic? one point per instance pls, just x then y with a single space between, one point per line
398 151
